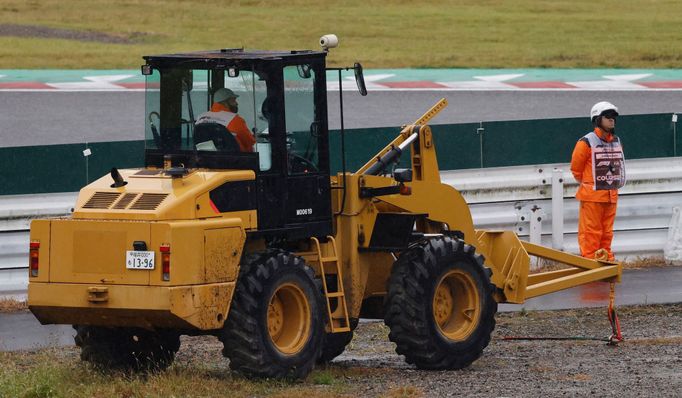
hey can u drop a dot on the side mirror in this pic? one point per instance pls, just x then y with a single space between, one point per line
360 79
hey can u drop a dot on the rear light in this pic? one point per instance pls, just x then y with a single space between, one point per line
34 257
165 261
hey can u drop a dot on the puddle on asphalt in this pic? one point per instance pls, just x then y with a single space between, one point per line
593 292
22 331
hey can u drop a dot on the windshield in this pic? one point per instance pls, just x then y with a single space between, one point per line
302 122
207 110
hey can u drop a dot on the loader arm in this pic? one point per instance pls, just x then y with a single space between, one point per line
392 151
505 254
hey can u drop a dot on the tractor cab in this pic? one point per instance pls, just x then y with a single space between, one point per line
280 104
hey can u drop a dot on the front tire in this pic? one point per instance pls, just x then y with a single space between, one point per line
440 305
275 325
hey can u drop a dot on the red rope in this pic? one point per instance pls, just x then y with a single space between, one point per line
616 336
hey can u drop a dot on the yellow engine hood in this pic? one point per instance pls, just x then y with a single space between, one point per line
150 194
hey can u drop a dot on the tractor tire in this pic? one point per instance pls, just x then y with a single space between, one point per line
440 306
127 349
335 343
275 325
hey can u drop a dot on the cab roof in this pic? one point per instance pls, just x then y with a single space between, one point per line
230 56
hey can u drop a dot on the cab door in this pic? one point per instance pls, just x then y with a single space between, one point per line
308 203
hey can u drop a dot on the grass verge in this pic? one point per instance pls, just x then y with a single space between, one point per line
59 373
12 305
379 33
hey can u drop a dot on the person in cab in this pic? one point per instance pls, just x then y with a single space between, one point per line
233 132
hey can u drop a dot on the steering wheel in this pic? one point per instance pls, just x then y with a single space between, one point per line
297 164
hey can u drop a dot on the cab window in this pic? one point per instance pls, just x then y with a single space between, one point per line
188 93
302 127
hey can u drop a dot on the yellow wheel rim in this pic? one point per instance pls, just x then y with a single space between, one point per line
456 307
289 319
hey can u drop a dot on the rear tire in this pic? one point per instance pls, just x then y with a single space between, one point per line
128 349
275 326
440 305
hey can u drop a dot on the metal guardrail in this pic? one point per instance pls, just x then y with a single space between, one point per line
506 197
496 184
499 198
16 213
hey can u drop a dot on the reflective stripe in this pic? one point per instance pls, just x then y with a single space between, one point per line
608 162
222 118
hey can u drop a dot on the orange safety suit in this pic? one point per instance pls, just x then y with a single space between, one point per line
597 207
238 128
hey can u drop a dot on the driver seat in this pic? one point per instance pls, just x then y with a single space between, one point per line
222 139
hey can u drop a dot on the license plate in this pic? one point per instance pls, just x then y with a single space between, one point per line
139 259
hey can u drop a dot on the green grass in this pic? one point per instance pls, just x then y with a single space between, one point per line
59 373
379 33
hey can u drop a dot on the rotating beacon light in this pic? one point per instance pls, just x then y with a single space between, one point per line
329 41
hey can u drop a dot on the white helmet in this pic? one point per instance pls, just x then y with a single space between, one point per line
601 107
223 94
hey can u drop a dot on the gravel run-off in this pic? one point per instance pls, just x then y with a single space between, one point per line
647 363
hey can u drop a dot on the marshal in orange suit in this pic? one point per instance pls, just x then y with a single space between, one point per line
598 164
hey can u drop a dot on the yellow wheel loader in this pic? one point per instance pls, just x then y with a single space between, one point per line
255 243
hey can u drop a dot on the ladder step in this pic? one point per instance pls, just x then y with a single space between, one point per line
340 315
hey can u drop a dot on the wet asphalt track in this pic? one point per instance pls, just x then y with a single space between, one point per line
42 118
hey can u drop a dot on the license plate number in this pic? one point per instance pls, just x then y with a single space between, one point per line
139 259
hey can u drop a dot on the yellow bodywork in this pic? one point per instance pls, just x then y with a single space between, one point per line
83 277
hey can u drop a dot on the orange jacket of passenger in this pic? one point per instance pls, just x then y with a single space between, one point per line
581 167
238 128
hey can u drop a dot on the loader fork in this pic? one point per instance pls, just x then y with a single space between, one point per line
509 257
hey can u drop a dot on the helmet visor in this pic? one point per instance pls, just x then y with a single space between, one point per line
609 114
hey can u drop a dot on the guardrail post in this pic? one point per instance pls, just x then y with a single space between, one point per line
480 130
557 209
672 251
536 228
535 237
674 120
532 214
